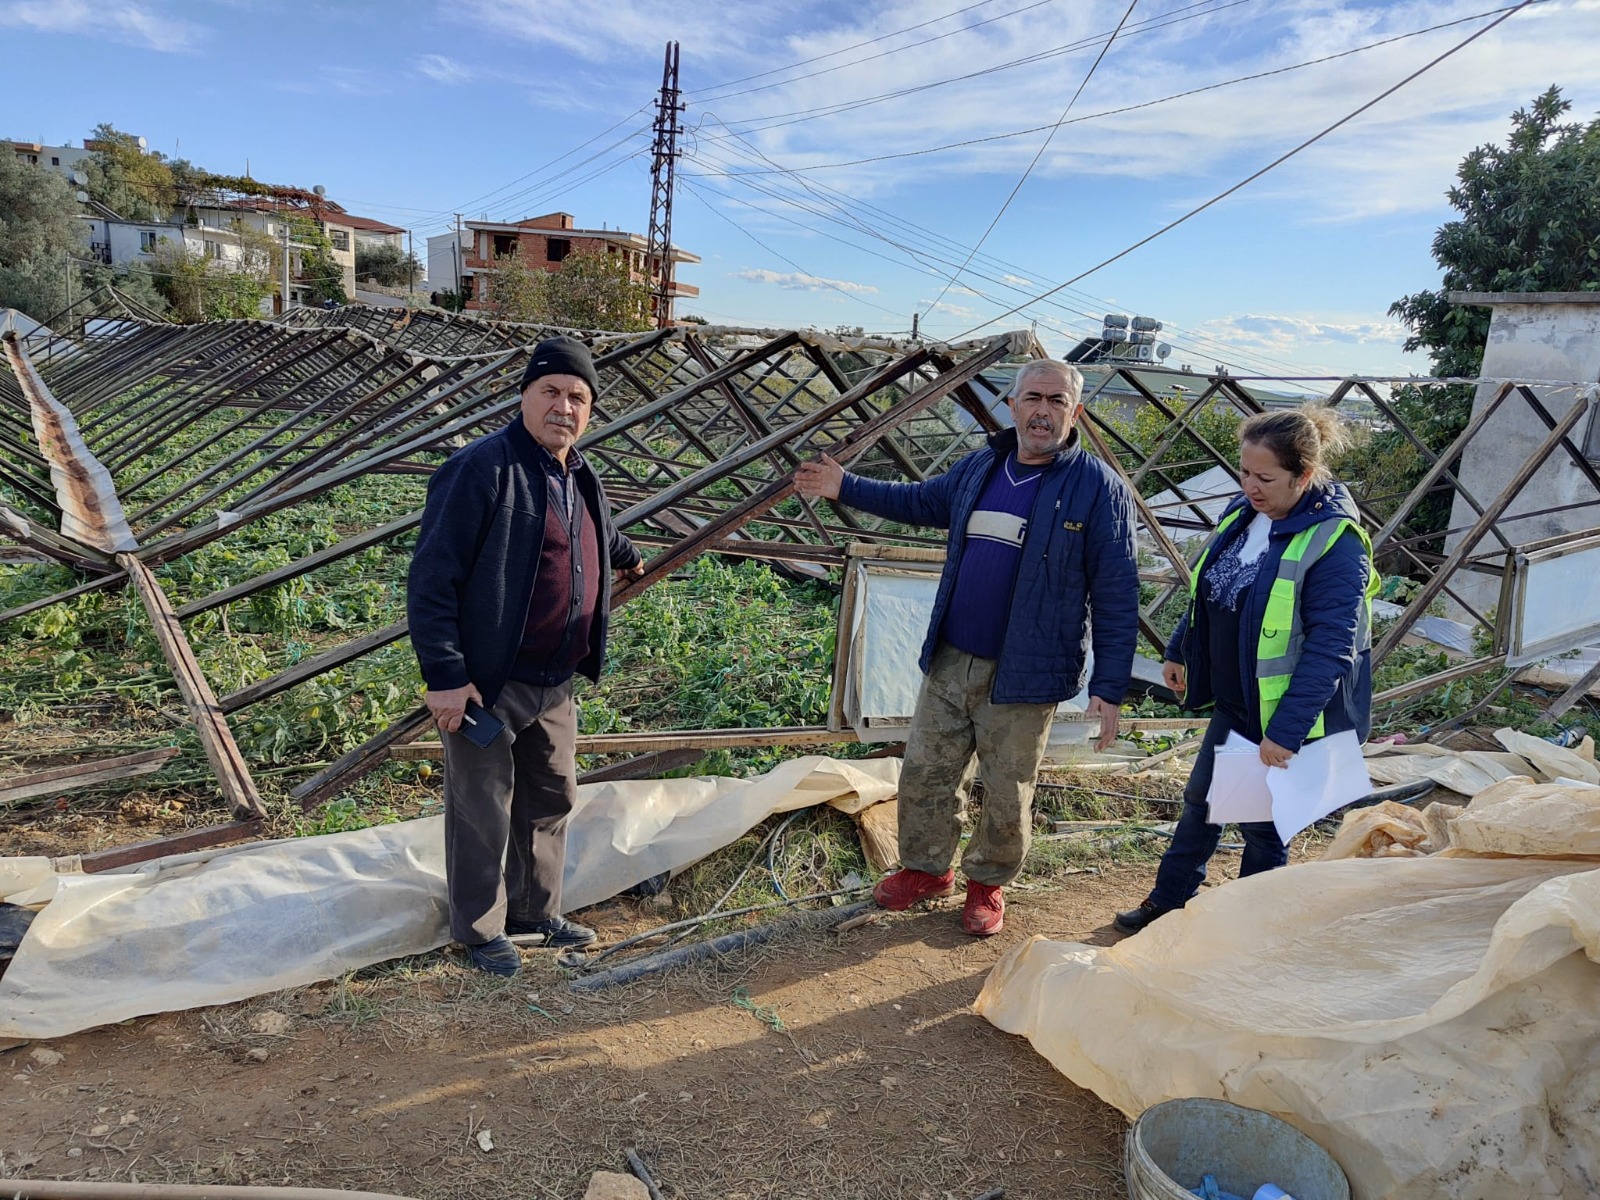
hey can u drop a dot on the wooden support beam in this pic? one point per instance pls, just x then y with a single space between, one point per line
83 774
310 668
371 754
1439 680
177 843
233 776
645 766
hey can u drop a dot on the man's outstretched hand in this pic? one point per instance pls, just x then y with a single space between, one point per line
819 480
450 705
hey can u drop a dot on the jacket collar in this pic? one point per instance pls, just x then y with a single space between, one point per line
1321 502
535 455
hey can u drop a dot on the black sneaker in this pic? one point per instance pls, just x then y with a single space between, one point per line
496 956
558 932
1136 919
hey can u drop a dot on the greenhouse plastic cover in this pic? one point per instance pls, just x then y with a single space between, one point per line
223 925
1432 1022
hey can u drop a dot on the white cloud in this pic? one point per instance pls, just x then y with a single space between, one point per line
443 70
1018 281
800 281
118 20
954 310
1293 335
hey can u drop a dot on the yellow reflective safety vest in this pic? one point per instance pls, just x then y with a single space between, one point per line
1279 646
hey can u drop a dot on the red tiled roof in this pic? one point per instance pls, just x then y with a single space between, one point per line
367 223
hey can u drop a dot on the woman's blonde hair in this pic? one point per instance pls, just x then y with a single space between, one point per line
1301 439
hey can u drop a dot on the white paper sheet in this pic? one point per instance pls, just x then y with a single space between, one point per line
1326 774
1238 783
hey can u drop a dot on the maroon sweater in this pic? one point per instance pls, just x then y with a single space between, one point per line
555 637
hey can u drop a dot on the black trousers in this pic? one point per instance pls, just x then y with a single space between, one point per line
505 813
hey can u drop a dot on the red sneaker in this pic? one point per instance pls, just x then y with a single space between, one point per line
985 912
901 890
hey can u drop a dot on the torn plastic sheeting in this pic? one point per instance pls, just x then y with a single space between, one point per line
1429 1021
220 926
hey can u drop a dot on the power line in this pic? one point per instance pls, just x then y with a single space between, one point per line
1282 158
780 120
843 204
883 54
806 62
1127 108
1040 154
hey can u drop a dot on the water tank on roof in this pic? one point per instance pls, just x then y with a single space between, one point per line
1116 320
1146 324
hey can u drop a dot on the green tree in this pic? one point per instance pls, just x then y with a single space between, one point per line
387 265
1530 222
134 280
320 273
596 290
199 287
40 230
128 180
516 291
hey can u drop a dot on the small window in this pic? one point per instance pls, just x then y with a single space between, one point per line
147 241
213 249
340 239
557 249
505 245
55 161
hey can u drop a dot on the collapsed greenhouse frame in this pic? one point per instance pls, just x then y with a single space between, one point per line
696 433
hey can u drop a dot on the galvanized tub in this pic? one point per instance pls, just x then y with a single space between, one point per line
1174 1144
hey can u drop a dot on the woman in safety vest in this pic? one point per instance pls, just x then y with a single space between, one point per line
1276 640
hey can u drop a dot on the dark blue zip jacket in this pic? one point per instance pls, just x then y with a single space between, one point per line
475 568
1333 677
1077 558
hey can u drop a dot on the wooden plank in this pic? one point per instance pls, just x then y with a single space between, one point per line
1432 682
645 766
233 776
301 566
368 756
879 828
310 668
177 843
83 774
693 739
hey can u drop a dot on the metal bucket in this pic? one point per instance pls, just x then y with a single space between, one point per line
1174 1144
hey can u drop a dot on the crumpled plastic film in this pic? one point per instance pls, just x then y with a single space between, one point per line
1430 1021
220 926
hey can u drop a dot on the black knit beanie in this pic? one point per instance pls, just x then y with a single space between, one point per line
561 356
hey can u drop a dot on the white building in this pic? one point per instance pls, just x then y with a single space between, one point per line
117 242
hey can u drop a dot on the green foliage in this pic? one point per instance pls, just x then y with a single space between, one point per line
198 287
387 265
1530 222
39 231
592 290
134 280
1217 421
132 183
320 273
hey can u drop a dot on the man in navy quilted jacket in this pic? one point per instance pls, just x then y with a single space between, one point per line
1041 541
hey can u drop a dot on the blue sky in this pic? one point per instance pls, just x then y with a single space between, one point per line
823 183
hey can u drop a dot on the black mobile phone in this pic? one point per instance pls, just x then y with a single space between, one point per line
480 726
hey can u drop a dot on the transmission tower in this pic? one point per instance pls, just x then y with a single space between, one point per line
658 257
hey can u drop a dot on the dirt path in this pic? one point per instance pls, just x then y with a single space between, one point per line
826 1066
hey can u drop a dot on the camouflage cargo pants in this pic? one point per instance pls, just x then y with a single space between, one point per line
956 732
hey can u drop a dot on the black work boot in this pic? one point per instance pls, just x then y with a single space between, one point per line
558 932
1136 919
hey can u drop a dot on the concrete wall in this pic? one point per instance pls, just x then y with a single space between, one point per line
1553 337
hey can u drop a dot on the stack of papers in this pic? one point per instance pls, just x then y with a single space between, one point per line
1326 774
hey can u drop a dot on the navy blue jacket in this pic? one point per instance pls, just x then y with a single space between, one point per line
1333 677
1077 558
475 568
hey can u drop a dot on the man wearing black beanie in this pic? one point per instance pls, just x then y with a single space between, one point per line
508 597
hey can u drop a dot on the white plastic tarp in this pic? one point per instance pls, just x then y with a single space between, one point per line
220 926
1432 1022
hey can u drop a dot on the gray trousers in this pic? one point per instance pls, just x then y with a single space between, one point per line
505 813
955 731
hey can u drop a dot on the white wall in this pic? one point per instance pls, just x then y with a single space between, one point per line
442 261
1534 336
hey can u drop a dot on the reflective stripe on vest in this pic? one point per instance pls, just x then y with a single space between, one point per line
1279 646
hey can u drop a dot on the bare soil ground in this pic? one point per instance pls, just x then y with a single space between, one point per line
822 1065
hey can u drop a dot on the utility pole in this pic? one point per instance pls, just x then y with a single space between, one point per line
461 301
285 294
664 157
411 265
66 256
916 322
